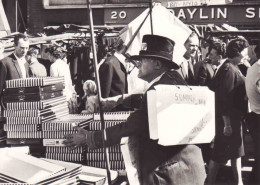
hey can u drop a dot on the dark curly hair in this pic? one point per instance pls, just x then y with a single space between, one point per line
32 51
220 47
56 51
235 47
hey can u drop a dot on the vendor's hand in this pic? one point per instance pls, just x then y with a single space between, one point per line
78 139
227 131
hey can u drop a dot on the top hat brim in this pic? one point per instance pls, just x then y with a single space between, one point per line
173 64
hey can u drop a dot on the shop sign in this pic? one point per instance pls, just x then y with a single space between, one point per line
234 14
189 3
121 15
219 14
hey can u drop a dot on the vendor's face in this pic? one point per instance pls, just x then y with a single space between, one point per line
146 68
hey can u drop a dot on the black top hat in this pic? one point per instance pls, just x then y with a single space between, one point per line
158 47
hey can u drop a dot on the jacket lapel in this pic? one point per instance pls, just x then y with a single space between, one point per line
182 71
17 67
218 76
220 69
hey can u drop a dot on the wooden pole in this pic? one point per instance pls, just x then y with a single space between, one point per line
136 32
99 92
16 15
151 18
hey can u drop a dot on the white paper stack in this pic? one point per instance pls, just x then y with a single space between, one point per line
92 175
21 168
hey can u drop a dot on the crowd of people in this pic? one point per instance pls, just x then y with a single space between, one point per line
23 63
226 69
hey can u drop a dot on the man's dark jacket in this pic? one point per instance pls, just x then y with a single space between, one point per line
10 69
205 74
171 165
113 78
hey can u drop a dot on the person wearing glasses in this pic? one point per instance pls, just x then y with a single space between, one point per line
171 165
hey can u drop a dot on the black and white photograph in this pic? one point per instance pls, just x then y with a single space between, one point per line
130 92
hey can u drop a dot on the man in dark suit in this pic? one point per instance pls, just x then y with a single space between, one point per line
15 66
215 57
205 73
112 73
167 165
189 67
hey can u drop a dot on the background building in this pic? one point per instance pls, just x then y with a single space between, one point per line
34 15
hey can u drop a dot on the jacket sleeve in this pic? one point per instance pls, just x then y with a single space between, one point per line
136 124
133 101
202 75
106 77
225 93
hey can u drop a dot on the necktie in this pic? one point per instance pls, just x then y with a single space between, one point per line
215 71
190 74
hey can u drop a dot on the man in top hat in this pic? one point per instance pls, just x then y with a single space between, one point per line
171 165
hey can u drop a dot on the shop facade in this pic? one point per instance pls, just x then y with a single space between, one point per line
240 13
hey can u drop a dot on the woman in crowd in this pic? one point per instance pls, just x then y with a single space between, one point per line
231 105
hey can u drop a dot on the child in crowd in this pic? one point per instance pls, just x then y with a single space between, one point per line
90 97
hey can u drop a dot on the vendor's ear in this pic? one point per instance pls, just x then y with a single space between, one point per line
158 64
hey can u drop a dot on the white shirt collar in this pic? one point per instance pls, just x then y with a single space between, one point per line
20 59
